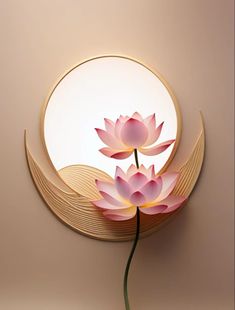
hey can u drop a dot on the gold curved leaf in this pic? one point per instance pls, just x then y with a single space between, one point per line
81 179
190 171
77 211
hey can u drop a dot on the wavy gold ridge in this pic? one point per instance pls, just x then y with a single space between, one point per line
81 179
190 171
77 211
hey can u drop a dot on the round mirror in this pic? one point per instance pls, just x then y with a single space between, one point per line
105 87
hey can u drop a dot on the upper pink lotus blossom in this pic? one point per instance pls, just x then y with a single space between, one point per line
129 133
138 188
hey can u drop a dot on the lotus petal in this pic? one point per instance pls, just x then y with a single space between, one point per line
122 155
112 200
109 139
131 170
115 153
134 133
123 188
137 180
150 172
173 203
137 116
104 204
169 180
137 199
108 188
118 127
155 150
155 134
120 173
154 209
110 126
120 215
152 189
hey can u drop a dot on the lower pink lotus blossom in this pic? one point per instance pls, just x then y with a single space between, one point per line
138 188
129 133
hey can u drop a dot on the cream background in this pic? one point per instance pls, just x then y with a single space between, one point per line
188 265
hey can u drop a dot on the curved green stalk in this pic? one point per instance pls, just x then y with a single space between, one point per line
125 288
136 158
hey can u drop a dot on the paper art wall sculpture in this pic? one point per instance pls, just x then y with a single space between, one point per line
129 188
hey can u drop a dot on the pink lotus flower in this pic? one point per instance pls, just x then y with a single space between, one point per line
138 188
129 133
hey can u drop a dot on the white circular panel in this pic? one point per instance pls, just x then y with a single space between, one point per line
104 87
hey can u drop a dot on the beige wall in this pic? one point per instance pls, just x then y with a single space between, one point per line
188 264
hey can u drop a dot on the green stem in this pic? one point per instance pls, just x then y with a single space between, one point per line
136 158
130 259
125 288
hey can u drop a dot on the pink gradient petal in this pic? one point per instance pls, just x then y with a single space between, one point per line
173 203
134 133
118 127
149 172
143 170
112 200
169 180
138 199
155 135
108 139
120 215
104 204
120 173
137 180
123 187
155 150
108 188
152 189
158 131
123 119
107 151
115 153
110 126
137 116
131 170
153 210
150 123
122 155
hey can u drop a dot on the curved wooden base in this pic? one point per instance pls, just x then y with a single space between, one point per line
73 206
